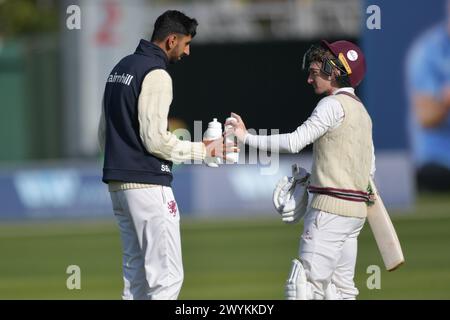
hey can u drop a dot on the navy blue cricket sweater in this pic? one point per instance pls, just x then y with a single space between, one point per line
126 158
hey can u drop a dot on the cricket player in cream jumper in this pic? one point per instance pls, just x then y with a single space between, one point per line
343 161
139 152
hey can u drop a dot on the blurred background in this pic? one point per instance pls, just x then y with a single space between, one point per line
246 58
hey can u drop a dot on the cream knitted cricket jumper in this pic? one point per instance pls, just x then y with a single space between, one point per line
341 163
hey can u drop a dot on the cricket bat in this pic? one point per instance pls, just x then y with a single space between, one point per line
384 233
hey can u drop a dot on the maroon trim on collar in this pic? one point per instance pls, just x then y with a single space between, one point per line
350 95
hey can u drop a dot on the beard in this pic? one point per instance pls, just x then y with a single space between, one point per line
175 59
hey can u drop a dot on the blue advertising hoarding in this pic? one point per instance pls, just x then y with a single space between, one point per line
386 49
70 191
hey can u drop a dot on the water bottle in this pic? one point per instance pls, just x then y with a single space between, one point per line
213 132
233 156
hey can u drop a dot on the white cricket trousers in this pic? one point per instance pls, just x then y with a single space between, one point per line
328 250
149 223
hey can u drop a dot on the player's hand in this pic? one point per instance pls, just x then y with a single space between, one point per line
238 127
214 148
230 147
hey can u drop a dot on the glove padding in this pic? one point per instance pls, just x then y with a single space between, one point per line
290 196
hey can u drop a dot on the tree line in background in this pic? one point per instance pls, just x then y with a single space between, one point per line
21 17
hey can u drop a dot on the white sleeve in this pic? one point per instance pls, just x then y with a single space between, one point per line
153 109
328 115
274 142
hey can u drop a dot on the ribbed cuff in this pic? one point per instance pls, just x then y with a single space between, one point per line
198 151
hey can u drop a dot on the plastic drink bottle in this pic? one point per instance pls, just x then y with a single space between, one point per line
213 132
231 157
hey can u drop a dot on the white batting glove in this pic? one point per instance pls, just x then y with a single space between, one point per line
290 196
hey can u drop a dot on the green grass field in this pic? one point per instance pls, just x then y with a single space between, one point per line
223 259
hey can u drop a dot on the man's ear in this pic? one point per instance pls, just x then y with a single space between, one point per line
336 73
171 41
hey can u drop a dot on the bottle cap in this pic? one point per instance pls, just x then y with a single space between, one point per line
215 124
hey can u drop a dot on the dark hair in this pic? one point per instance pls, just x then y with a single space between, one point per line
318 53
173 21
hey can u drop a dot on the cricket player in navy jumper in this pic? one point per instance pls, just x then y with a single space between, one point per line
139 152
